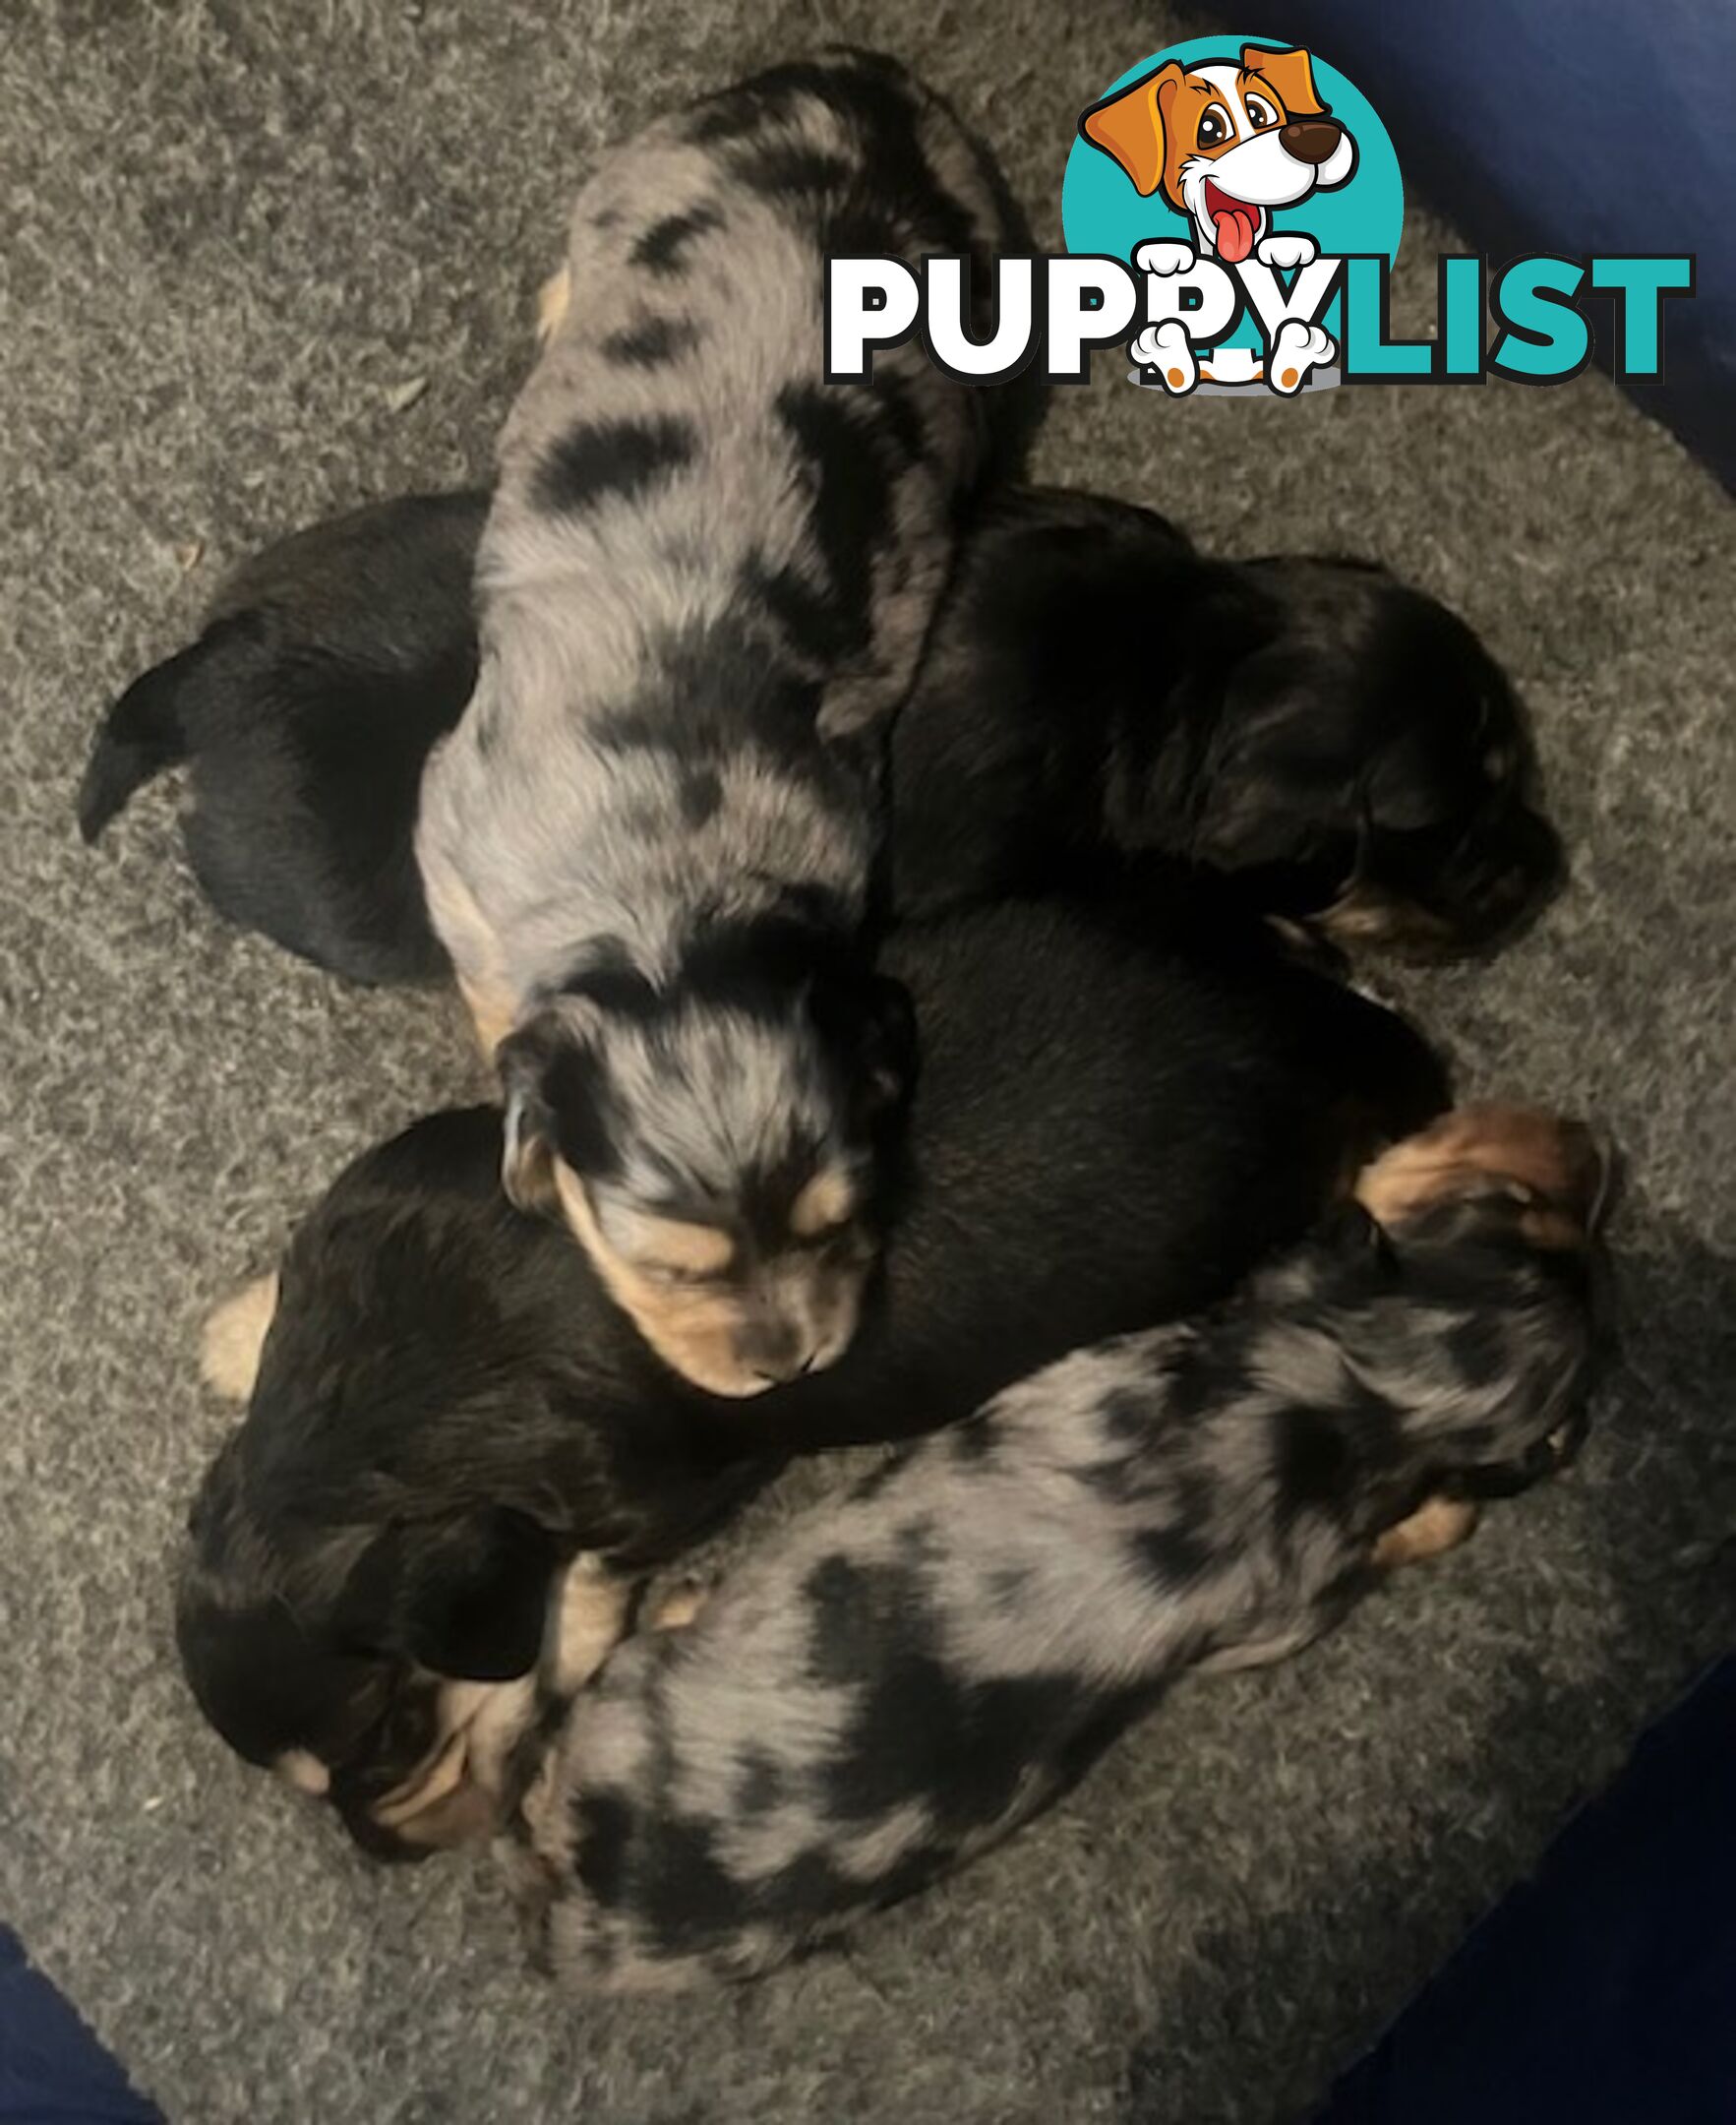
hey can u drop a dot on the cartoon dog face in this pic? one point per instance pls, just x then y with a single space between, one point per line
1225 144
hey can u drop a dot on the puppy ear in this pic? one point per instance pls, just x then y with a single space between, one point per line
467 1598
1129 126
869 1021
1419 780
889 1046
1272 789
1289 74
525 1060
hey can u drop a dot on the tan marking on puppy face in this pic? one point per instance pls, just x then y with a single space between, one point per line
1363 915
305 1772
1531 1153
712 1327
234 1339
1438 1524
671 1246
677 1607
552 301
827 1201
456 1793
492 1012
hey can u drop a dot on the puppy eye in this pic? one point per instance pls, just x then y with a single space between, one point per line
1260 113
671 1278
1214 128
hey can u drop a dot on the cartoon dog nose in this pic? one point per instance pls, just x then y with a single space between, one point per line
1310 139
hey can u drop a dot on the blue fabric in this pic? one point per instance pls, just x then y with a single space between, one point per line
52 2070
1604 1991
1572 126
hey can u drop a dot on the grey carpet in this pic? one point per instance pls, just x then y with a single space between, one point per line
235 230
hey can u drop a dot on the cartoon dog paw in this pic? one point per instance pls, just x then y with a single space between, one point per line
1297 349
1165 348
1287 251
1165 258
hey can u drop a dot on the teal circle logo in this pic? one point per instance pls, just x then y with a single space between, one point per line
1231 146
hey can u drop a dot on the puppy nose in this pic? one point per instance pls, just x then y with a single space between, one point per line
775 1350
792 1369
1309 139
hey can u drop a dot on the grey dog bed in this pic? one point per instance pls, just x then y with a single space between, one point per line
266 259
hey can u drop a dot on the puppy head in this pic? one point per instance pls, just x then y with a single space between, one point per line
1368 767
1223 142
364 1668
1464 1289
715 1147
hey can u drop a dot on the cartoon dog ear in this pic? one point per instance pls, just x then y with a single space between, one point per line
467 1598
1290 75
1130 126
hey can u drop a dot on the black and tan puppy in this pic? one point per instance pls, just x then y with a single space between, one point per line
450 1410
1328 743
1098 700
899 1680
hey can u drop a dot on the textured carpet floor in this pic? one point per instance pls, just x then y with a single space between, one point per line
237 231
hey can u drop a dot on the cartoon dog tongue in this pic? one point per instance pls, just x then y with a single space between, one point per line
1233 222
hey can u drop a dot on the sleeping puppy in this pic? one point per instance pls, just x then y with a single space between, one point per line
443 1418
327 668
703 586
899 1680
1331 747
1336 747
449 1409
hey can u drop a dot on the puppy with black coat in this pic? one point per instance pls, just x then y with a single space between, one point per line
703 586
327 668
1328 744
459 1449
899 1680
1100 703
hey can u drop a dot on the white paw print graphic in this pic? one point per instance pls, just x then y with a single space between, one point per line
1297 349
1164 258
1287 251
1165 348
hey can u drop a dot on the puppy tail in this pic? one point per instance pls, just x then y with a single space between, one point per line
142 734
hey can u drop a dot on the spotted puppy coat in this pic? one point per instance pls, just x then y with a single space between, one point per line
704 584
903 1680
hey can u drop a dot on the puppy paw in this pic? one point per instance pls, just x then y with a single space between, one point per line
234 1338
588 1619
1438 1524
1164 258
1287 251
1297 350
1165 348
